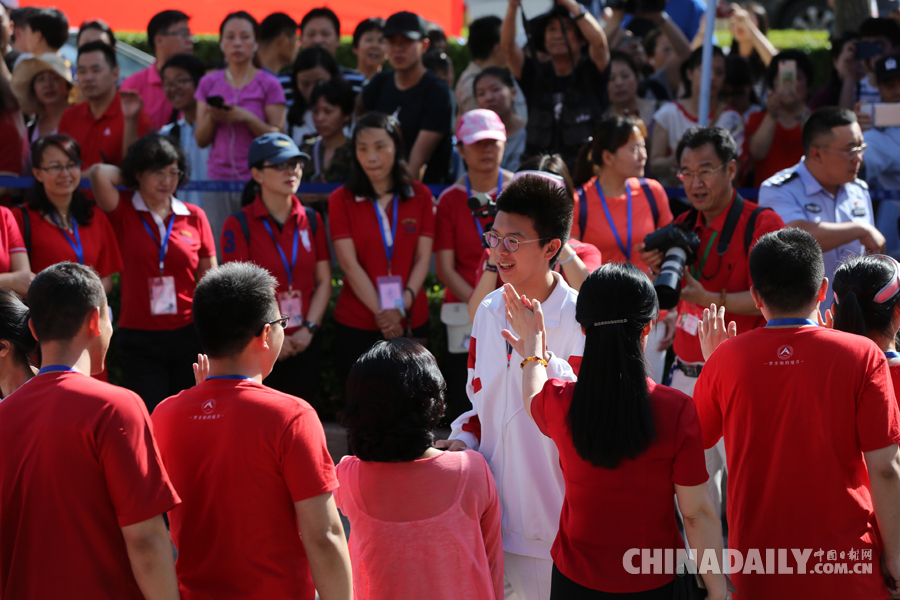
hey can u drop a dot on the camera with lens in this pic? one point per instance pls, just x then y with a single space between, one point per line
482 207
679 247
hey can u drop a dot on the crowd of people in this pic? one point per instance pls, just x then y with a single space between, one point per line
561 255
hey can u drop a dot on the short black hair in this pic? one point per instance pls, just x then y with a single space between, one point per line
484 35
364 27
318 13
547 205
395 399
804 65
52 24
188 62
149 153
276 24
161 22
19 16
787 269
244 16
822 121
97 46
881 27
720 138
337 92
98 25
231 305
436 60
499 72
435 34
14 327
60 297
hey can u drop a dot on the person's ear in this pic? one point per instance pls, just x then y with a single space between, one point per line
265 338
731 170
426 44
647 328
256 174
5 347
823 290
553 247
605 156
31 329
115 73
92 322
38 174
757 300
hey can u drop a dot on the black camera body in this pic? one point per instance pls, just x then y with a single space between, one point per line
679 247
638 6
482 207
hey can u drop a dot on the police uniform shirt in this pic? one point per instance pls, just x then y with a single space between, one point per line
883 172
796 195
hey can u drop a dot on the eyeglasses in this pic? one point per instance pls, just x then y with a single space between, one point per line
510 242
162 174
178 83
703 174
182 33
852 153
290 165
283 320
58 169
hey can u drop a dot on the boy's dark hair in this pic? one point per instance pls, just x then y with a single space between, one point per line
364 27
395 399
719 137
547 205
19 16
276 24
231 305
80 208
160 22
804 65
882 27
787 269
97 46
188 62
336 92
821 122
436 61
358 182
52 24
98 25
484 35
59 299
318 13
150 153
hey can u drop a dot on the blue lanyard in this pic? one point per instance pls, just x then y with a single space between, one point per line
164 243
76 243
55 369
797 322
626 250
892 354
388 250
287 267
469 195
238 377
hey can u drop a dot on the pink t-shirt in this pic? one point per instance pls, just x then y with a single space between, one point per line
148 84
228 154
398 510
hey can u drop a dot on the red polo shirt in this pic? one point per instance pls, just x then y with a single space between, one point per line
730 272
100 137
356 219
148 84
456 229
261 249
49 245
10 239
191 240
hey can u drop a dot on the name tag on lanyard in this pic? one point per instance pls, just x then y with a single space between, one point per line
163 298
390 288
290 302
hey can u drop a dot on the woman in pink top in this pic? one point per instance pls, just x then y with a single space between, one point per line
401 494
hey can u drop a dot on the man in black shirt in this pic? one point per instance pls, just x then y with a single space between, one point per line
416 97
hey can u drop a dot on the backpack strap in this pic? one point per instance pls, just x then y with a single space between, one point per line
582 210
311 217
241 217
751 226
26 229
651 198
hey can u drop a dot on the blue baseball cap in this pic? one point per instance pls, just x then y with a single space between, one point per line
275 148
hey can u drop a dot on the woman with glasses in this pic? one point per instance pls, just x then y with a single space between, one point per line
382 226
58 223
276 232
167 246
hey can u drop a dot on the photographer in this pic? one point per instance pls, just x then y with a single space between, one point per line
717 271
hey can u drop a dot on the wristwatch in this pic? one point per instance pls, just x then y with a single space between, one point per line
580 15
489 267
313 328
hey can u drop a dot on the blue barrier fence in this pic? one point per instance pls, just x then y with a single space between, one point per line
327 188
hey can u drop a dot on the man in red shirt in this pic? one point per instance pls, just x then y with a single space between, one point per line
251 462
82 486
109 121
811 428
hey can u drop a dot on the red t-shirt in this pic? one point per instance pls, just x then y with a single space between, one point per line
191 240
638 492
101 138
49 245
798 407
598 231
12 147
262 251
730 272
241 455
895 379
10 239
456 229
356 218
588 254
79 463
786 150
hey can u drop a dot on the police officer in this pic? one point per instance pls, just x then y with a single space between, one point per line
821 193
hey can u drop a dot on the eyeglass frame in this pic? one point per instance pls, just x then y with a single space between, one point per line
178 83
57 170
490 234
682 174
283 166
283 319
178 33
851 153
163 175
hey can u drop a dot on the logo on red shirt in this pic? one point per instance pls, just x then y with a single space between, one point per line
410 226
785 352
209 407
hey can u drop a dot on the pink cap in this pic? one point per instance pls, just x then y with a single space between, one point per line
480 124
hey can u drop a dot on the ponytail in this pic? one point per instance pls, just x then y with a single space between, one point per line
856 283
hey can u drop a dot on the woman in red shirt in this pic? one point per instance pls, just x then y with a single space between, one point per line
625 443
277 233
167 246
18 348
382 228
59 223
15 268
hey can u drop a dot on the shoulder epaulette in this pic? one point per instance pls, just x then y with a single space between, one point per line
780 180
861 184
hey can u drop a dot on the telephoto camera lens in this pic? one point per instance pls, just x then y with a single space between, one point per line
668 283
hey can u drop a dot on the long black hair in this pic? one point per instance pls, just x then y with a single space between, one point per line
81 210
856 282
14 328
309 58
358 182
610 417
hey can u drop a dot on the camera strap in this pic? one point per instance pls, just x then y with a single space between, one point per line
731 221
478 224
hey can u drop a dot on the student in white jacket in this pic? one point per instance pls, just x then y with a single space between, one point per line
533 222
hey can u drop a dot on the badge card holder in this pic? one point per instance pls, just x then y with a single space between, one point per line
291 304
689 320
390 292
163 299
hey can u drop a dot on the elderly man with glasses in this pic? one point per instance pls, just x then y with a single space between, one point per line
822 195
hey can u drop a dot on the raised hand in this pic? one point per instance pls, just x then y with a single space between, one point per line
713 331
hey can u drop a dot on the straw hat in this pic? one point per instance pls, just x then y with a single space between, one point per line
27 70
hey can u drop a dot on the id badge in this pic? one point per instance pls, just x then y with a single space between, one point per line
390 292
163 300
689 320
291 303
